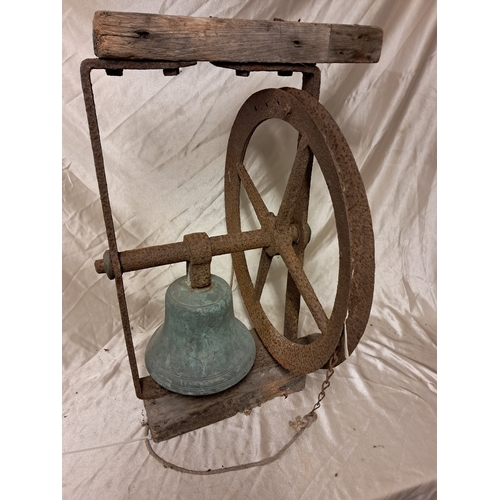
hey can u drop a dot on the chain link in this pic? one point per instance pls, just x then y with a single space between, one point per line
308 419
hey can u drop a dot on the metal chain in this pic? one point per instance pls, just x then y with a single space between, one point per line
309 418
300 425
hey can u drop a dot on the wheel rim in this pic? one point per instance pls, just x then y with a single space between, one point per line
318 135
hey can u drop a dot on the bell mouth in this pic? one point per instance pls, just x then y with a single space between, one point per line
201 348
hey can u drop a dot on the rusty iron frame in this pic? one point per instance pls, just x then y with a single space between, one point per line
115 263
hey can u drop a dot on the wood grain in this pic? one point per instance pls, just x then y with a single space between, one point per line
173 414
128 35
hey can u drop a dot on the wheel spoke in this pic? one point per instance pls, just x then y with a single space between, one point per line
255 199
264 265
304 287
296 181
292 309
295 207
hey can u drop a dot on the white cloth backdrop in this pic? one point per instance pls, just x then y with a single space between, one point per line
164 141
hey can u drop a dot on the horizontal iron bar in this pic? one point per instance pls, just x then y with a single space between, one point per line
161 255
120 64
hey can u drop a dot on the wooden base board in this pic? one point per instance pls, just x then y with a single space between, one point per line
173 414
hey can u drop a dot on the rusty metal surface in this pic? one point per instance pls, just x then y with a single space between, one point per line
286 233
311 82
311 74
360 225
85 74
161 255
115 263
200 256
299 185
85 69
283 69
115 65
319 135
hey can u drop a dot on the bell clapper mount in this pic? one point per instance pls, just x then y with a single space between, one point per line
201 349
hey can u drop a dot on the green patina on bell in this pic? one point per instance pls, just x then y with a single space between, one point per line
201 348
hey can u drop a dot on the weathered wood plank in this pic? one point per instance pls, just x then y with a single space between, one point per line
127 35
173 414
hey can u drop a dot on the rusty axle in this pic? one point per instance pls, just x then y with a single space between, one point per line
161 255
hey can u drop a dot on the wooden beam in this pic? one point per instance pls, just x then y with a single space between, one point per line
128 35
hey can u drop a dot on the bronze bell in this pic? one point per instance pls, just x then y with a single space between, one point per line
201 348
